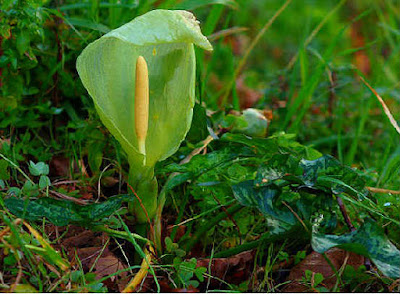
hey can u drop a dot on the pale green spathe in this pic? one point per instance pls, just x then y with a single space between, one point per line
107 69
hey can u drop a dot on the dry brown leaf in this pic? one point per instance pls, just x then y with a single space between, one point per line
233 270
316 263
79 238
107 265
102 262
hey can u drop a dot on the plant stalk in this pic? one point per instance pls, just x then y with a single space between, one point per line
120 234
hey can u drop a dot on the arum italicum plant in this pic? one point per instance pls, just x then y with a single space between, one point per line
141 77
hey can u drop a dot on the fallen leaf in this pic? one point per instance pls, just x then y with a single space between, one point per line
107 265
233 270
316 263
85 238
103 263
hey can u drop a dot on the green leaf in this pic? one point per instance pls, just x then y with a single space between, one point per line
61 213
38 169
278 167
30 189
10 260
178 180
267 145
201 164
180 252
264 199
14 191
328 172
199 272
198 131
107 69
369 240
318 278
95 152
44 182
168 244
23 42
4 173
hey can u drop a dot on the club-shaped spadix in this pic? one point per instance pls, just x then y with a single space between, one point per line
141 104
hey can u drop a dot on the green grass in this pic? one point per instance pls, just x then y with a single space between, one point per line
304 58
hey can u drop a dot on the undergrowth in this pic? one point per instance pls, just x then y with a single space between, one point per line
245 210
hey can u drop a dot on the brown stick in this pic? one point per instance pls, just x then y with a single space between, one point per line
344 213
385 191
70 198
346 217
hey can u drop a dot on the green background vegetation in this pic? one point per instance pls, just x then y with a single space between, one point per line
316 99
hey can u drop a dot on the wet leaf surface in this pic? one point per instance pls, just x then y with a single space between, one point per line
369 240
61 213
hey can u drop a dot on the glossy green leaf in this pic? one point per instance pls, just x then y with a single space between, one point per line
265 145
61 213
265 199
369 240
328 172
107 69
278 167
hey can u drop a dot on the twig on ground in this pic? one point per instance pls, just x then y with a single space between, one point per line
296 215
344 213
65 182
66 197
385 191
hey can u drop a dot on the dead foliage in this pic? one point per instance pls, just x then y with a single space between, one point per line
316 263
